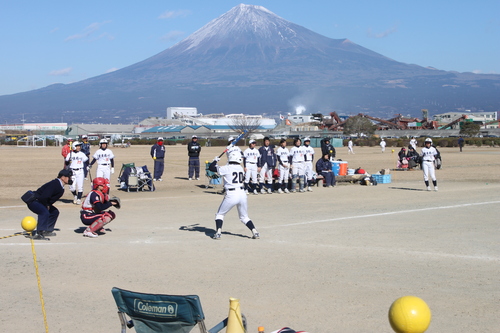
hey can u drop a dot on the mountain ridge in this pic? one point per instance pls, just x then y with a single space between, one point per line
251 60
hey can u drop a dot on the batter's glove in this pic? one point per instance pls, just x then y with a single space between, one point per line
112 170
216 158
117 200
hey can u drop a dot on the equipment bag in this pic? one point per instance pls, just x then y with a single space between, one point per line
29 197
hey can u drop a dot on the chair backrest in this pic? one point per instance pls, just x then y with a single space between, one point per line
160 313
128 165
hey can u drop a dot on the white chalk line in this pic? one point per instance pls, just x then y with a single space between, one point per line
381 214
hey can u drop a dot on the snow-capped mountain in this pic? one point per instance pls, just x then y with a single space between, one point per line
252 61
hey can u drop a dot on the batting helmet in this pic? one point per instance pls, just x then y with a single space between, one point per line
235 157
428 140
103 141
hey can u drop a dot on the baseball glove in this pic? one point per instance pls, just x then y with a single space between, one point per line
117 200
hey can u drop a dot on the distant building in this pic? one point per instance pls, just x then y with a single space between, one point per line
176 112
485 119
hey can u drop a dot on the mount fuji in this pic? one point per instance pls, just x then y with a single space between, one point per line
250 60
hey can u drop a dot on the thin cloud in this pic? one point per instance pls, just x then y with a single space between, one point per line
54 30
87 31
172 36
112 70
383 34
61 72
174 13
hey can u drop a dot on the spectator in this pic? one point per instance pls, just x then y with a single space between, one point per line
324 168
158 155
194 150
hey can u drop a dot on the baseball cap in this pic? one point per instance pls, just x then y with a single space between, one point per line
160 139
194 136
252 141
84 136
77 143
65 173
307 139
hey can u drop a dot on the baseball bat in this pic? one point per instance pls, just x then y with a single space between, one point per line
90 177
238 138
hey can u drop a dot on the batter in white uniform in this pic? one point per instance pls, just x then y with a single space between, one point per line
428 156
76 160
284 166
105 160
251 156
297 153
235 195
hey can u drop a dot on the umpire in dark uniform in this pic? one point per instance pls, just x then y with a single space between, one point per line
194 150
45 197
86 151
158 155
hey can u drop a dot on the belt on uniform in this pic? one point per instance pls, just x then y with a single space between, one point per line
104 164
251 162
427 160
77 169
235 188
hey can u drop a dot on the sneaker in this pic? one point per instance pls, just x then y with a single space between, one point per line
154 179
309 189
37 236
74 200
190 178
255 192
269 191
47 233
256 235
197 178
293 191
88 233
246 192
435 188
216 236
302 190
262 191
428 188
160 180
280 191
78 201
286 191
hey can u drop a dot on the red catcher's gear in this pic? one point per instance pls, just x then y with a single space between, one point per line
99 181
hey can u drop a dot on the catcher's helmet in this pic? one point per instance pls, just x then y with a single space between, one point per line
428 140
235 156
98 182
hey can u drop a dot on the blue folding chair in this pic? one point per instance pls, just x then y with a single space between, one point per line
161 313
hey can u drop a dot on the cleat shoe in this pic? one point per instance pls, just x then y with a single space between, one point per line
262 191
280 191
256 235
47 233
293 191
286 191
255 192
302 190
197 178
190 178
74 200
428 188
88 233
246 192
78 201
435 188
154 179
309 189
269 191
216 236
160 180
37 236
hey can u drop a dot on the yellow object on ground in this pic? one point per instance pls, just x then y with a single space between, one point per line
409 314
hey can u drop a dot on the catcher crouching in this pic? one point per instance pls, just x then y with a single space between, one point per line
93 213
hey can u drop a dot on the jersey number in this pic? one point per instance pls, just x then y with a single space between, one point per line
238 177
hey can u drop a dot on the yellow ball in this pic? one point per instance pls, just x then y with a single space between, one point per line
29 223
409 314
206 162
392 150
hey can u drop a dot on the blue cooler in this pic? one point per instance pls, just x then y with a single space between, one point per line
336 167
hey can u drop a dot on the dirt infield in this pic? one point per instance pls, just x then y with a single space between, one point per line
328 261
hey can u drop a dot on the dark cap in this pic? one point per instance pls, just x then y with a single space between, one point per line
65 173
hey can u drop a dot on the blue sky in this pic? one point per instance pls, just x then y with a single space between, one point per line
46 42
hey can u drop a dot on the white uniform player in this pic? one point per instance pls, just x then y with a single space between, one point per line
428 156
297 153
251 156
233 176
230 148
76 160
413 143
284 166
382 145
349 147
105 160
309 157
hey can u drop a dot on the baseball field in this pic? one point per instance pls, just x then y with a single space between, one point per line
331 260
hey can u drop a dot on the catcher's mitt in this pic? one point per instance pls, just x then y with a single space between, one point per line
117 200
